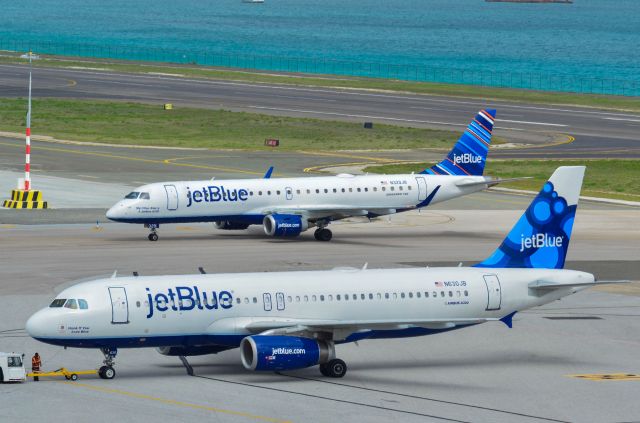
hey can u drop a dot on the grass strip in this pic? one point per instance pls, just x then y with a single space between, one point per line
604 178
454 90
144 124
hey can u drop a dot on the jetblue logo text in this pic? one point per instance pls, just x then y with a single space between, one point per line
186 298
539 241
466 158
214 193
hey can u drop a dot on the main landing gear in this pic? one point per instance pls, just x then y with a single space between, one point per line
334 368
153 227
322 233
107 371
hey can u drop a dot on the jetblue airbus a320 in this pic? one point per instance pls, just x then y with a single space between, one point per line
288 206
294 320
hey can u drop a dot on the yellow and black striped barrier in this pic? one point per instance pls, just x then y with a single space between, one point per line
22 199
609 376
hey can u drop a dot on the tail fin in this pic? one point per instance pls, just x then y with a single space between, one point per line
540 239
470 152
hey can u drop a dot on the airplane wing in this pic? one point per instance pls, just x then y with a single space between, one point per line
335 212
345 327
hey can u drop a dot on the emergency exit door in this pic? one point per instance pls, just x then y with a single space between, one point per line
172 197
119 305
494 293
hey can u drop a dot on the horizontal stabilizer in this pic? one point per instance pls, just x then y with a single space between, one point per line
488 181
549 285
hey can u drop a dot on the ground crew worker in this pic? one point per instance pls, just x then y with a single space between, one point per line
35 365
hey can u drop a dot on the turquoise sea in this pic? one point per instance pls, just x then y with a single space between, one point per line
590 40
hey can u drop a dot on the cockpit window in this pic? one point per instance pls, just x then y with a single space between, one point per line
132 195
144 196
71 304
58 302
83 304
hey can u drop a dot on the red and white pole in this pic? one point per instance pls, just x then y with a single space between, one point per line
27 162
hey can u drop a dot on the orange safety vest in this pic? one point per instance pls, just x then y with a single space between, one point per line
35 363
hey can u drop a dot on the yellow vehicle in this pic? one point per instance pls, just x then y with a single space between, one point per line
68 374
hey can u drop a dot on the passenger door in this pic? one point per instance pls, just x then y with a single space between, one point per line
422 188
494 293
119 305
266 300
172 197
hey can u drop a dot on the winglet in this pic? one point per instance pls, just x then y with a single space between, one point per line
508 319
269 172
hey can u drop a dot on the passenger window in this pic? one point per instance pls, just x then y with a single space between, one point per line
392 188
386 295
346 297
238 300
326 191
371 296
308 191
132 195
395 296
321 297
317 191
255 300
409 188
458 294
466 293
350 189
335 190
451 293
84 306
259 192
298 191
306 298
426 294
337 297
410 294
145 196
268 192
400 187
418 294
355 297
329 297
362 296
375 189
289 299
313 298
73 304
57 303
383 188
278 192
379 296
342 190
297 298
402 295
359 190
442 293
246 300
366 190
435 294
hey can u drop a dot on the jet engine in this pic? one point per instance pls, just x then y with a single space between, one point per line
282 225
271 353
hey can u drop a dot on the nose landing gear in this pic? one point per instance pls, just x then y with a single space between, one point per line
153 227
107 371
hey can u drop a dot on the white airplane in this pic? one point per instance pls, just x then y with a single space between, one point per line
293 320
288 206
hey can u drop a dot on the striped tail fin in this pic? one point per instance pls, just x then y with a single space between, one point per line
469 154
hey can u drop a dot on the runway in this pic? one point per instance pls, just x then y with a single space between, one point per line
545 369
597 133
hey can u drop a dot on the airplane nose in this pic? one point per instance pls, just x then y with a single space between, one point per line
35 325
115 211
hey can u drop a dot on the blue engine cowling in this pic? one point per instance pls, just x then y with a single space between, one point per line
192 350
271 353
284 225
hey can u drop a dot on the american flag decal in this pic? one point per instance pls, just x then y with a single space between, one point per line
439 284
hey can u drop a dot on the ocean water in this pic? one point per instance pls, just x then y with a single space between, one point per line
590 40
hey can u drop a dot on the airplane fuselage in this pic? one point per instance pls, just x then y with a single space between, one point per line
223 309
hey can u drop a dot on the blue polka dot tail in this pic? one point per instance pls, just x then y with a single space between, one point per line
540 238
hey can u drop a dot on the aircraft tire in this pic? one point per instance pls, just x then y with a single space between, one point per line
324 371
323 234
109 372
153 237
336 368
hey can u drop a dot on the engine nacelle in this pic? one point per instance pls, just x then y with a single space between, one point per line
271 353
284 225
193 350
228 225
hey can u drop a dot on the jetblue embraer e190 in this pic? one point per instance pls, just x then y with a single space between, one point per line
293 320
288 206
